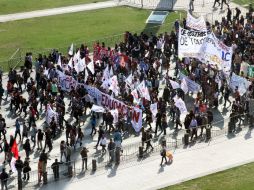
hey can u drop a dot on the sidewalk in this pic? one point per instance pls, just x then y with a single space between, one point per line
57 11
192 162
201 8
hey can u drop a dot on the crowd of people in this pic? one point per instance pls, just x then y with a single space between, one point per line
149 58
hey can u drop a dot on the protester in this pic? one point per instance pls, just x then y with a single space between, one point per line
83 154
126 81
4 178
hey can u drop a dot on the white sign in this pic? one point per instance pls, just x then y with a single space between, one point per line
192 86
190 43
196 23
174 84
66 82
181 105
154 110
136 119
240 82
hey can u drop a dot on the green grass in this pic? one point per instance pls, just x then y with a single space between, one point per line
244 3
239 178
60 31
14 6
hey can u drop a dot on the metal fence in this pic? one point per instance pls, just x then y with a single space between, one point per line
132 152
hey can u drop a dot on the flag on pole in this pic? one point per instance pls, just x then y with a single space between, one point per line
90 66
134 93
114 85
76 57
143 90
111 71
128 81
59 62
71 50
106 74
15 150
80 66
70 63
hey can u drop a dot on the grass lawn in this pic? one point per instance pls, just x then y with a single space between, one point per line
244 3
60 31
239 178
14 6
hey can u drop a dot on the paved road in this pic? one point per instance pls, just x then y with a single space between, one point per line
190 163
201 8
57 11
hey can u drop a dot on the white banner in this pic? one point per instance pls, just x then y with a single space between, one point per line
136 119
196 23
111 103
190 43
97 109
181 105
192 86
240 82
107 101
216 53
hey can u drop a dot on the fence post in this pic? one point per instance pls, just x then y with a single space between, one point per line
74 166
19 179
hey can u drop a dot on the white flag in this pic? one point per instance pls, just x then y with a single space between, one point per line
80 66
59 62
174 84
76 57
90 66
111 71
134 93
181 105
143 90
114 85
129 82
154 110
71 50
106 74
184 86
114 113
86 75
70 63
